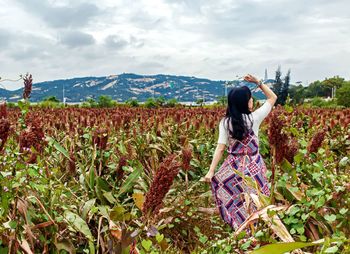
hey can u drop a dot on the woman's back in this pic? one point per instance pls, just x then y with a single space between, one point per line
257 117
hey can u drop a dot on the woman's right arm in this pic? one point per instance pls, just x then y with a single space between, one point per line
270 95
265 109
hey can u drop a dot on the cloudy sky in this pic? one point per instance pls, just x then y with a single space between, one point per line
215 39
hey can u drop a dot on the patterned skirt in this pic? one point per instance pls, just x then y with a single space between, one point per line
228 187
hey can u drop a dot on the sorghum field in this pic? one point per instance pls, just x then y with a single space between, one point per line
126 180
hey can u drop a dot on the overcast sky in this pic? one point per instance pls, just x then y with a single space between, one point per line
216 39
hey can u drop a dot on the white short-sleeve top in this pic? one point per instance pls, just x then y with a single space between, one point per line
257 117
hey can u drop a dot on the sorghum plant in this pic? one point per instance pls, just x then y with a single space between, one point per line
4 126
168 169
28 82
316 141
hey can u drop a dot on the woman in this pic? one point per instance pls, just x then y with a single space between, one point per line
239 131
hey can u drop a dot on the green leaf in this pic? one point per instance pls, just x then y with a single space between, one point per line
286 166
104 211
298 157
303 142
87 207
333 249
103 184
92 178
343 211
330 218
320 202
131 180
122 147
187 202
288 108
280 248
304 216
241 235
109 196
228 249
301 230
259 234
58 147
118 213
159 237
203 239
78 223
10 224
246 245
293 210
146 244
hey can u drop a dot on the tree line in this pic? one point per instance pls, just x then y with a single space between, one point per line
336 88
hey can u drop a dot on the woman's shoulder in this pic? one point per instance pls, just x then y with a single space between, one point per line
223 121
223 124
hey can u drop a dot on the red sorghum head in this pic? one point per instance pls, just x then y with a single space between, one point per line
186 158
32 136
28 82
160 186
3 110
122 162
316 141
5 128
100 138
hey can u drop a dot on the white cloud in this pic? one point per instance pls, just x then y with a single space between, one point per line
213 39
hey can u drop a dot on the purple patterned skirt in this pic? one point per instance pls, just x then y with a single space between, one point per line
228 187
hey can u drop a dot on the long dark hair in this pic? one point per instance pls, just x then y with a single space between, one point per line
237 100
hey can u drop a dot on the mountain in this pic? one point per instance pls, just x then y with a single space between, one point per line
127 85
5 93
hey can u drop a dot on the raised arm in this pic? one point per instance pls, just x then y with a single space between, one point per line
270 95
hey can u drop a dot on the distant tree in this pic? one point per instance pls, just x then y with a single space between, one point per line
277 86
51 98
132 102
89 103
222 100
297 94
150 103
343 94
318 89
160 101
321 102
171 102
285 88
281 88
335 82
200 102
10 104
105 101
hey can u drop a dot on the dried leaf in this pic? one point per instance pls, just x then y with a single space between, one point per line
139 199
25 246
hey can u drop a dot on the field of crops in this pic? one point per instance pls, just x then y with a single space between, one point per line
126 180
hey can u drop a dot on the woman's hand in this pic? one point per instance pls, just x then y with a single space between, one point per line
252 79
207 178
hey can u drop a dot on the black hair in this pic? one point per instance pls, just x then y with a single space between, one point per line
237 100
